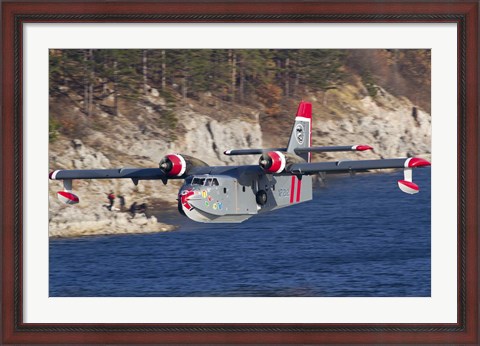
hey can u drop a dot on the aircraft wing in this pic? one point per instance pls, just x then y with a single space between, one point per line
406 185
136 174
116 173
360 165
323 149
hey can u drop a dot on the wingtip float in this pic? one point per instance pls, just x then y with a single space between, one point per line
407 185
224 194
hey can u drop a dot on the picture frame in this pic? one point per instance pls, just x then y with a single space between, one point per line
16 13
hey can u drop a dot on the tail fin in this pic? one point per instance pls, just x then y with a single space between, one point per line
301 136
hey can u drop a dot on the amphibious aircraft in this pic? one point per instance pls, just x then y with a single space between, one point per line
283 176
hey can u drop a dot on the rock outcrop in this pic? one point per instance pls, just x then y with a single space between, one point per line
394 127
101 222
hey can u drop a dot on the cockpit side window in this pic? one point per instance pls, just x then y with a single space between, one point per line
198 181
205 181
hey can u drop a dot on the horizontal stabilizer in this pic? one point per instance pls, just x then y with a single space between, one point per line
333 148
251 151
299 150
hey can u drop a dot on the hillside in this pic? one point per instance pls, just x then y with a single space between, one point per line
104 129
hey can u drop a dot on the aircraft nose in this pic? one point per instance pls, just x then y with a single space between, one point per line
184 190
185 196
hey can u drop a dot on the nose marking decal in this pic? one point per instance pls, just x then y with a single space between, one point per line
184 198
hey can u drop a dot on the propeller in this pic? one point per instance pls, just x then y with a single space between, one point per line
265 161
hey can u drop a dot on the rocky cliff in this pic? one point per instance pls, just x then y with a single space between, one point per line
137 138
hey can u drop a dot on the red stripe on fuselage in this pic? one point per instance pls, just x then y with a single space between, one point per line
299 189
292 189
310 141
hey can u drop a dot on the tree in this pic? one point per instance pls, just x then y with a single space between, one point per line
320 69
88 77
145 71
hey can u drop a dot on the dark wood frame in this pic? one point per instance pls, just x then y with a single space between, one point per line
464 13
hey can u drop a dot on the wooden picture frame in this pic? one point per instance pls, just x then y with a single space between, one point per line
16 13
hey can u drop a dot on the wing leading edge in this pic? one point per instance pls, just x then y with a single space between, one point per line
116 173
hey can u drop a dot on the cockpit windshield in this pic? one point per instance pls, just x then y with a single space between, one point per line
198 181
205 181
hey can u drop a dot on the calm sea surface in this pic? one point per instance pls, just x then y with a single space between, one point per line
360 236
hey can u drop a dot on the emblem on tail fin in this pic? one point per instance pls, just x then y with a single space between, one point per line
299 133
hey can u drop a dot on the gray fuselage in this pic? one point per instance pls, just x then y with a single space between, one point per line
240 194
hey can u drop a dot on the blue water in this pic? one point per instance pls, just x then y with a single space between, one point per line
360 236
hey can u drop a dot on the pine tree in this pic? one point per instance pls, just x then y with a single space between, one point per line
320 69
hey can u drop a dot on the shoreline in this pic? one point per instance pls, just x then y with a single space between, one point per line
94 232
103 222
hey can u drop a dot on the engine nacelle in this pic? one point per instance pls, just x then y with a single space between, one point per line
176 165
277 161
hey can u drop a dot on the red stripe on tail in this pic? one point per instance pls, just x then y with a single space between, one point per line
292 189
299 189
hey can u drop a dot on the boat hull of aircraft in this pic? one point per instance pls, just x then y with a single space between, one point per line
234 199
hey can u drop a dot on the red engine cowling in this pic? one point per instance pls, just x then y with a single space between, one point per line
176 165
273 162
277 161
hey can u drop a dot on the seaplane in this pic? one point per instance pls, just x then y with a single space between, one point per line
233 194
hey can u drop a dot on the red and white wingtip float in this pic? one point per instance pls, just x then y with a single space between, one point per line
407 185
66 196
283 176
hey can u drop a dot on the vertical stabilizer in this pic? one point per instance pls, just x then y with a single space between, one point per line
301 136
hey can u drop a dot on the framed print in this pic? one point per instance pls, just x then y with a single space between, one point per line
167 87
